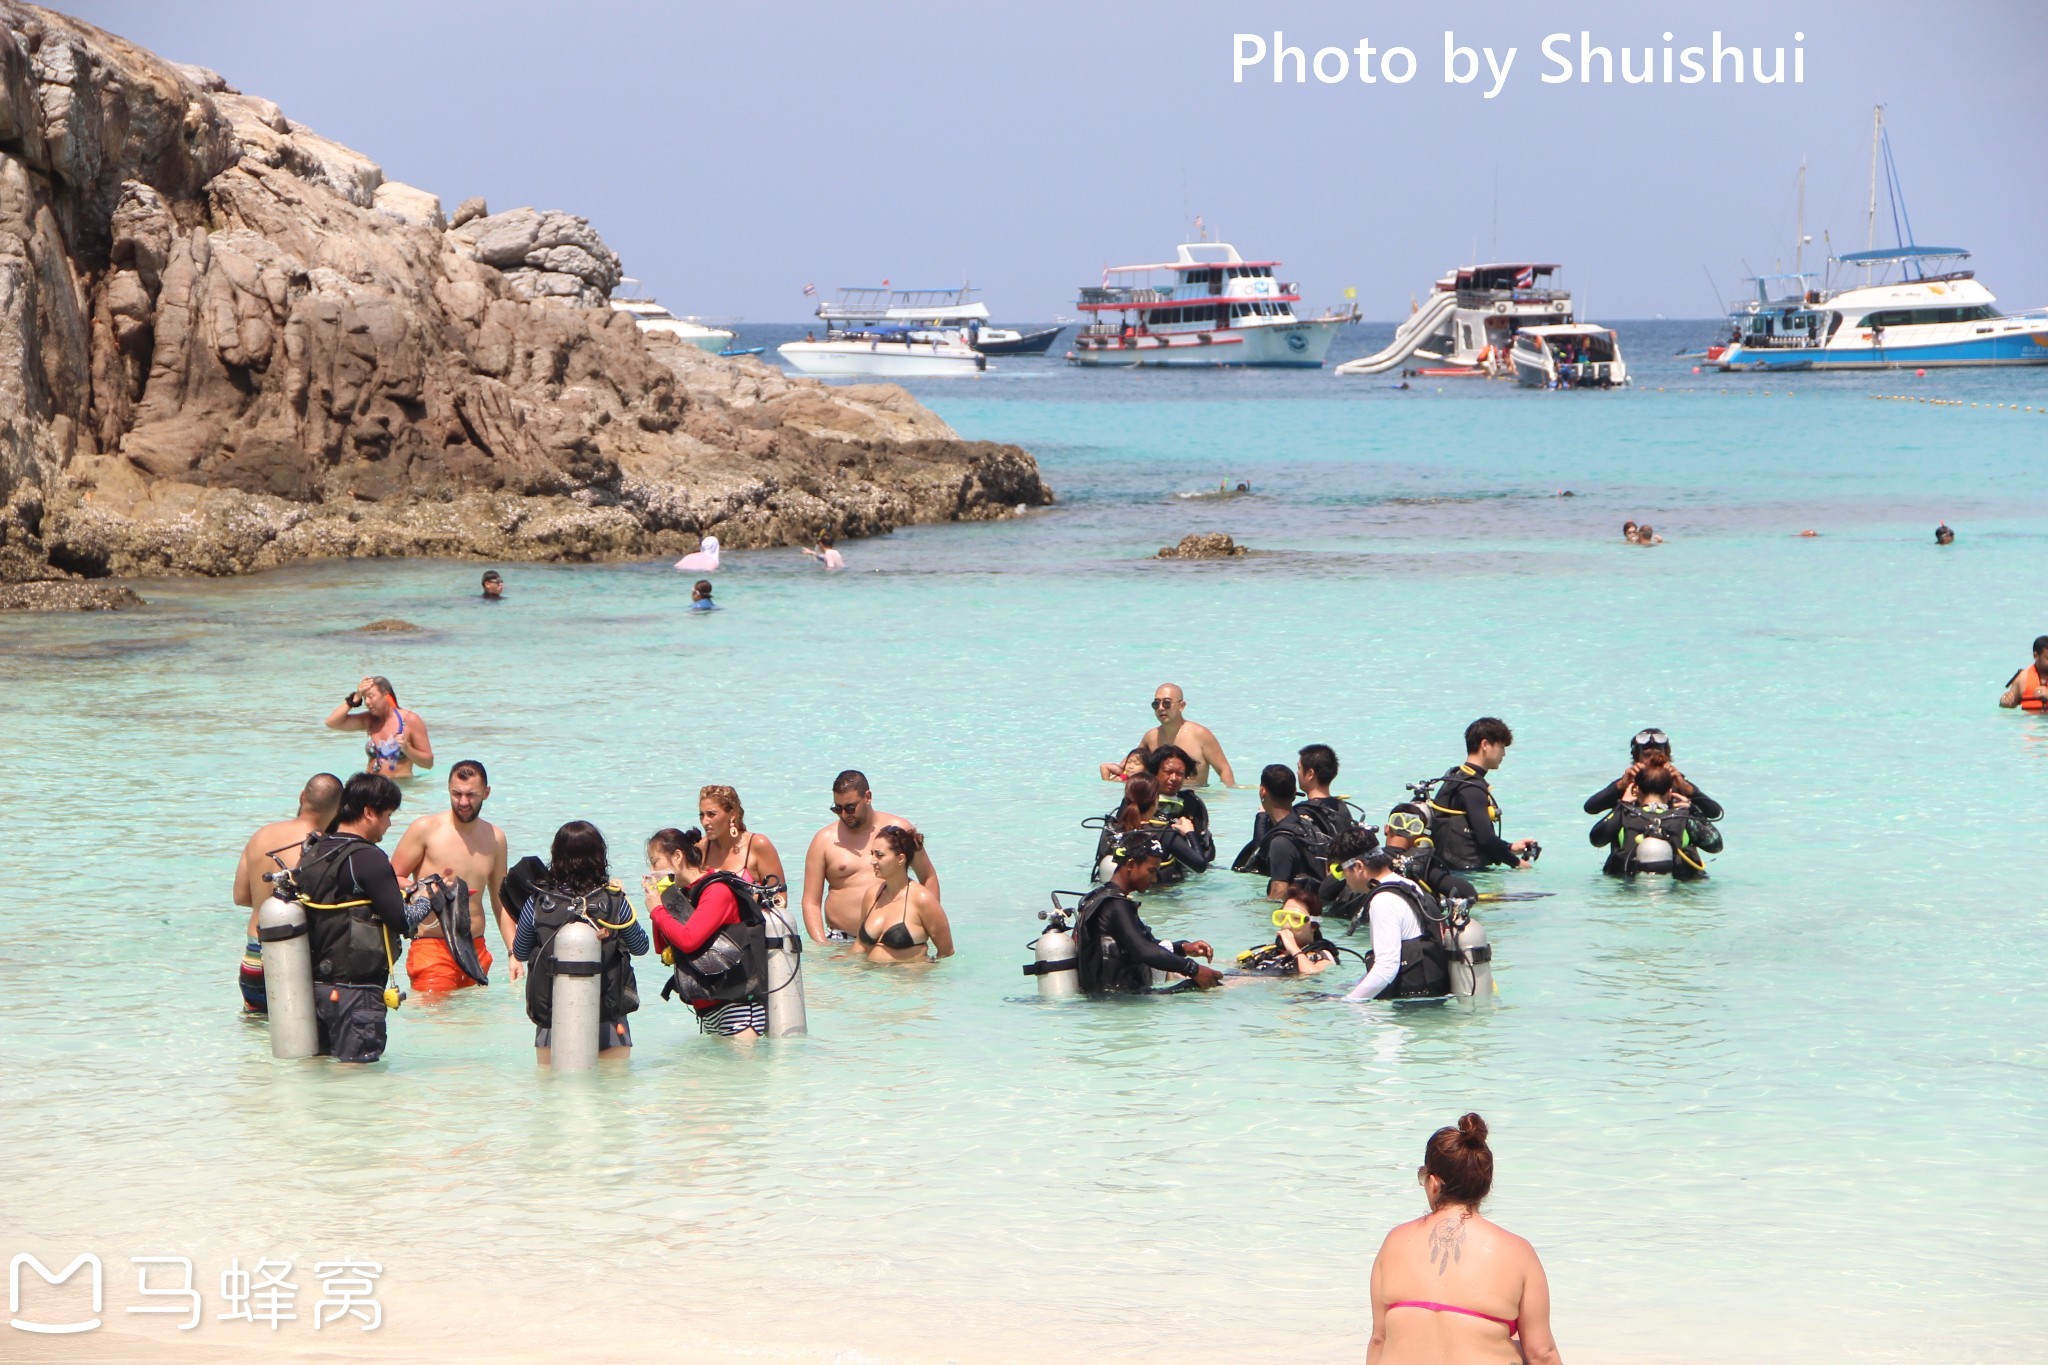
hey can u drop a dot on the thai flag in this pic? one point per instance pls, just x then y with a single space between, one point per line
1525 278
810 289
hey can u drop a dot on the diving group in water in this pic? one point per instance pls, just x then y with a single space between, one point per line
1405 882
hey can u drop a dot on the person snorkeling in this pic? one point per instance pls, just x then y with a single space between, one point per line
1114 950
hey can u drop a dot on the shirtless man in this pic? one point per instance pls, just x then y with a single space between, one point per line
1170 704
457 843
396 738
837 873
318 801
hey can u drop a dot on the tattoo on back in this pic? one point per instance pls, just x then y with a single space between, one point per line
1446 1243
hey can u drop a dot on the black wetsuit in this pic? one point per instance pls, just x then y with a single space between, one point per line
1186 803
1107 913
353 945
1688 838
1609 796
1473 798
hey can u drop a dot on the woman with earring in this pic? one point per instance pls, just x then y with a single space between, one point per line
1452 1285
729 846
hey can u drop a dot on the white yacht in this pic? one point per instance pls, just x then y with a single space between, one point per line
898 354
1468 323
929 314
1208 306
1572 355
650 316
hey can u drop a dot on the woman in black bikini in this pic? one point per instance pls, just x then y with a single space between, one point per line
903 920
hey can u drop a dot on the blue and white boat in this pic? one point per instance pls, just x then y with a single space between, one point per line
1916 320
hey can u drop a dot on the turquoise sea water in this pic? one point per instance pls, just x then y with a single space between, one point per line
1792 1113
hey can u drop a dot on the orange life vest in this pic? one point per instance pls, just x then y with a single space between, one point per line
2029 680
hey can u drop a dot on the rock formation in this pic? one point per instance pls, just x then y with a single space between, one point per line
227 342
1212 545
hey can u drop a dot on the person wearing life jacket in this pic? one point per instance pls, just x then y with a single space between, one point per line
708 926
1170 766
1113 948
1647 741
2028 689
356 919
576 884
1409 960
1654 828
1464 817
1183 853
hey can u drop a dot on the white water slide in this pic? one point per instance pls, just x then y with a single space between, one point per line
1410 335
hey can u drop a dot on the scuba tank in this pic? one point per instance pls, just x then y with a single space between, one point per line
787 1017
573 1004
288 974
1055 958
1471 954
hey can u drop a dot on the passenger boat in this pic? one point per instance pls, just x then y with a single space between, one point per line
650 316
930 314
1796 322
1208 306
1470 320
897 353
1572 355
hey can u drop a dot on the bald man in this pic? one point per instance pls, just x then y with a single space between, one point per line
277 843
1169 706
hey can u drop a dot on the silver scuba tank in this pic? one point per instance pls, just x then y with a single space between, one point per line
288 978
787 1017
578 989
1055 956
1652 854
1471 959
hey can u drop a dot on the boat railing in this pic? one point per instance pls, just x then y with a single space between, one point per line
1486 298
1119 295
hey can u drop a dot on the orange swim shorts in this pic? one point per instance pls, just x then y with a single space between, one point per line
429 966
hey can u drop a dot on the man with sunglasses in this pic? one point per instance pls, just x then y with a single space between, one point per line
837 872
1170 707
1609 796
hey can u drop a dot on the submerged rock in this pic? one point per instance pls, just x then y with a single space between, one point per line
66 594
1203 546
390 625
227 342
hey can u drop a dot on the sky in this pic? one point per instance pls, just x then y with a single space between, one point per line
734 152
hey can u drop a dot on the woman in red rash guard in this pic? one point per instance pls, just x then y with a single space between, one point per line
680 855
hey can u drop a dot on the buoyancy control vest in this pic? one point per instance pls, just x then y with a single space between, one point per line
1450 828
350 946
1187 803
1652 837
1172 870
1425 971
1310 827
607 908
733 965
1099 958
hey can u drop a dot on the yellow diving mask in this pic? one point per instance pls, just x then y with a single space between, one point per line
1287 917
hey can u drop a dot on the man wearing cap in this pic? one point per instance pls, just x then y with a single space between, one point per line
1609 796
1113 948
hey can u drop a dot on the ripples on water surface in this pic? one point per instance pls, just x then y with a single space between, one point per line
1775 1116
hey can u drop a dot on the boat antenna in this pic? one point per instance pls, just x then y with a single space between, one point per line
1718 301
1496 210
1799 232
1870 213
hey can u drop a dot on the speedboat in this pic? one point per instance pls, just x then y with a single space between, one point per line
930 315
1572 355
650 316
884 354
1208 306
1469 321
1798 322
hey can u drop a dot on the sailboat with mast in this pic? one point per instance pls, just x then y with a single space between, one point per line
1897 314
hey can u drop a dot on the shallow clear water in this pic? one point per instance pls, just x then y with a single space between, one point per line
1780 1115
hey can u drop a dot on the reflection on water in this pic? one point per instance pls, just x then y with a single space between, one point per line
1715 1106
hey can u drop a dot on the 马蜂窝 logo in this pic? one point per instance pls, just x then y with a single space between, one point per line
52 1328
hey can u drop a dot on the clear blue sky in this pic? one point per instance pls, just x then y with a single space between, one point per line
733 152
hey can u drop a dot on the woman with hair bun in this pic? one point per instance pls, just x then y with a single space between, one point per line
902 920
1453 1286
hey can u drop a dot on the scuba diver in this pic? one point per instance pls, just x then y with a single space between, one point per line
1654 828
576 883
1299 948
1649 741
1316 770
1410 959
1340 901
1113 949
1170 766
1291 839
1183 852
1464 817
356 914
1407 838
708 927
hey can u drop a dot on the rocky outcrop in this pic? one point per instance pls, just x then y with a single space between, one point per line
66 594
227 342
1204 546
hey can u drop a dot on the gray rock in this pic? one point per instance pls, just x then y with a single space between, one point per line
1200 546
410 205
472 207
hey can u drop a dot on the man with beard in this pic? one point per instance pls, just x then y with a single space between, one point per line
463 847
837 873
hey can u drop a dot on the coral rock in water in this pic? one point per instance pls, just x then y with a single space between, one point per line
1210 546
227 342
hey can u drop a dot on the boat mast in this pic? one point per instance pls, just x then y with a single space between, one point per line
1799 241
1870 214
